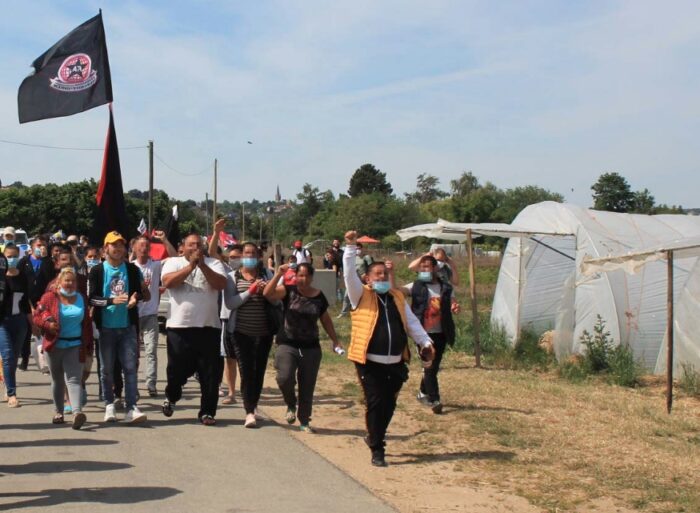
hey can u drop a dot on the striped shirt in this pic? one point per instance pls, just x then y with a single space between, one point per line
251 318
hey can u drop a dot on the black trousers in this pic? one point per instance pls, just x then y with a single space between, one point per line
251 354
193 350
300 365
429 383
381 384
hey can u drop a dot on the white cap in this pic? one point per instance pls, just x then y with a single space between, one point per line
8 230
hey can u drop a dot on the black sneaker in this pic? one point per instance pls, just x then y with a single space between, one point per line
23 364
436 406
378 458
167 408
152 392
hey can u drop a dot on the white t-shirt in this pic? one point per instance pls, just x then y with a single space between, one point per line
151 276
302 255
194 304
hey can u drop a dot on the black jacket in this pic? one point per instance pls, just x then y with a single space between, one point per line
95 287
420 296
37 281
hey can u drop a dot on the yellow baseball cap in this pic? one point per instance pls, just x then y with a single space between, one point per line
113 237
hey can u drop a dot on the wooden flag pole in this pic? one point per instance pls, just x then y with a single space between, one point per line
150 187
216 165
472 294
669 331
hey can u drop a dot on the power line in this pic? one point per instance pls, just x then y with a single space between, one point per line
205 170
46 146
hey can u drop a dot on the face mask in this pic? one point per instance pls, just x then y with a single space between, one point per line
37 252
293 266
249 262
65 293
381 287
235 263
12 262
92 262
359 252
441 264
425 276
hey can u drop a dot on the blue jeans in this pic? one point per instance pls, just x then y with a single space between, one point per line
13 329
119 342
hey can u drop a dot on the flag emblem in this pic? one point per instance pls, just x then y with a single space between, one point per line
75 74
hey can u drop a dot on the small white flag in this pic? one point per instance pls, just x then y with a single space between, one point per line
175 212
142 226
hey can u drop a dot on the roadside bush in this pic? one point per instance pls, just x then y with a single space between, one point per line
623 370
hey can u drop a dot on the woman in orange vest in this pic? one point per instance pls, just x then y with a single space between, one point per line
381 323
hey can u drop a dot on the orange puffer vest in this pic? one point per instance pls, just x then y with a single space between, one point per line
364 319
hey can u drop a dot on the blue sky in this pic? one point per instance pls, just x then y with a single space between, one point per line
521 92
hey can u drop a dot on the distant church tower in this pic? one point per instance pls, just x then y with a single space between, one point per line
278 198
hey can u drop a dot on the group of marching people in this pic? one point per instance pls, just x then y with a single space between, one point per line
226 309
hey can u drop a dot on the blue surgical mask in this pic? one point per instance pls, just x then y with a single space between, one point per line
381 287
92 262
37 252
235 263
425 276
65 293
12 262
249 262
293 265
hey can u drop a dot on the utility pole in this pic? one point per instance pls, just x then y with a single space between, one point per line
150 186
243 221
206 210
213 216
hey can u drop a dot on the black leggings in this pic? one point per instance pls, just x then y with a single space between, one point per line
429 383
251 354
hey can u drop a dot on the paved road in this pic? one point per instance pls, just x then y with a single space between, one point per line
167 465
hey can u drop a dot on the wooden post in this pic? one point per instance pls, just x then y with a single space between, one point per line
669 331
472 294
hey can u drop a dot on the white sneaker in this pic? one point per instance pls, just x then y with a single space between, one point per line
250 421
110 415
135 416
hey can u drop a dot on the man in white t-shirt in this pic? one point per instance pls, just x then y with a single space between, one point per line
193 327
303 255
148 310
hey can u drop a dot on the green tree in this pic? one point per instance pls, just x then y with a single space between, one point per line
465 184
426 189
368 179
612 192
516 199
643 202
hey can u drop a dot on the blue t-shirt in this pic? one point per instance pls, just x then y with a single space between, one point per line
70 318
36 263
116 283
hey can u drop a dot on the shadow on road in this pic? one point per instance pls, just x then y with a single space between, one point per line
53 467
106 495
58 442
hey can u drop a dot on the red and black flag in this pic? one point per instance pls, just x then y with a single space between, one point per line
111 209
70 77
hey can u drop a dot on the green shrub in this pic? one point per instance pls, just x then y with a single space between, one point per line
598 347
623 369
573 370
690 379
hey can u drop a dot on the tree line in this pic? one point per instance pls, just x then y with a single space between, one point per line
370 205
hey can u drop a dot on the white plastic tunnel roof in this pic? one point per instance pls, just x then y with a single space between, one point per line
540 284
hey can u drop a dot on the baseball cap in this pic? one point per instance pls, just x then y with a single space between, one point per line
9 230
113 237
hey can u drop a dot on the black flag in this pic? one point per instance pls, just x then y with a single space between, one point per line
111 210
70 77
172 229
